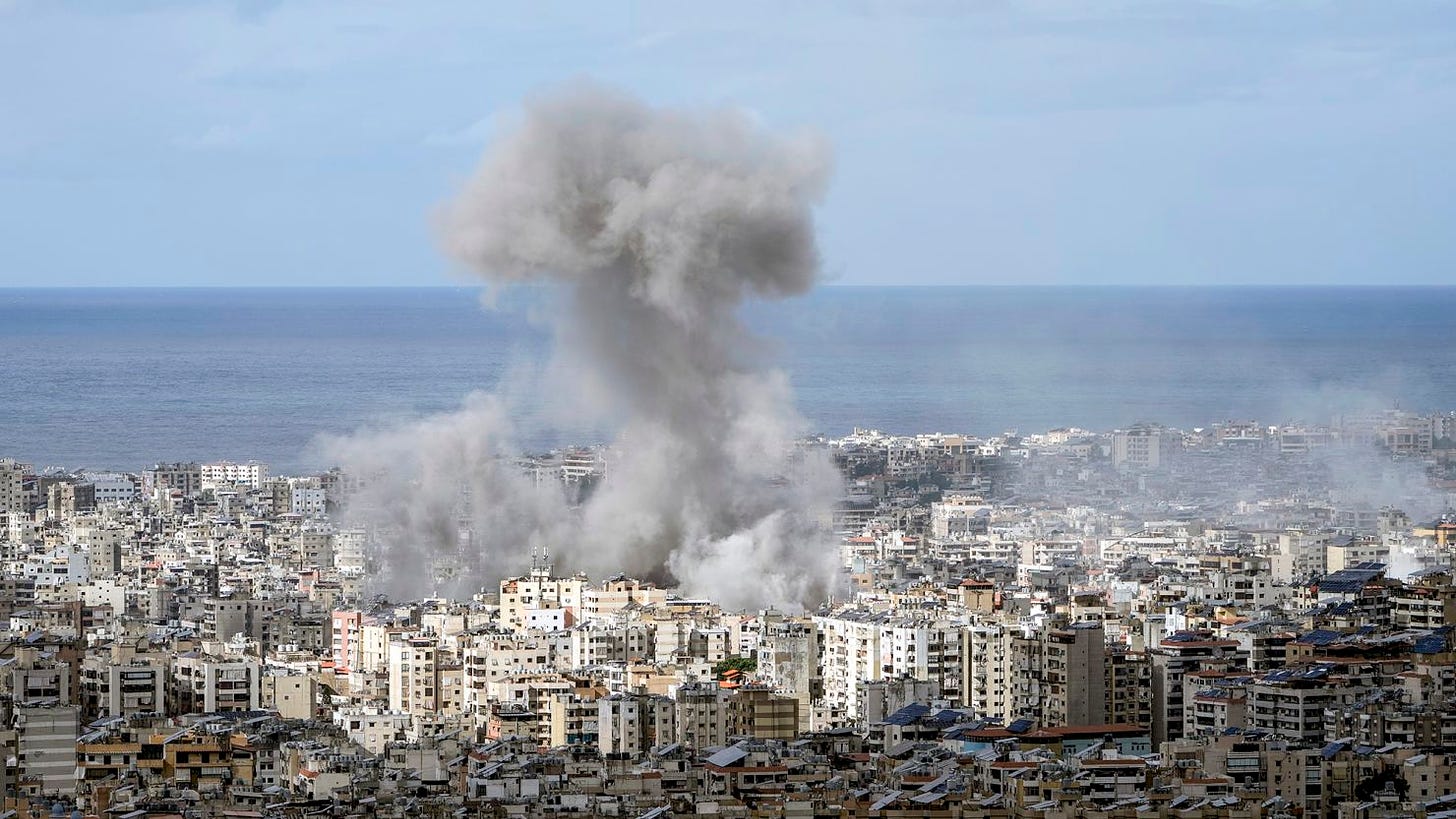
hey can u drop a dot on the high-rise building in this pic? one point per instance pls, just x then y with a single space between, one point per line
414 675
45 740
630 725
12 485
986 689
64 500
1145 447
702 715
1059 675
755 711
252 474
182 477
1172 660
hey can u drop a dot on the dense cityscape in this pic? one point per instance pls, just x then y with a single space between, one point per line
1243 620
870 410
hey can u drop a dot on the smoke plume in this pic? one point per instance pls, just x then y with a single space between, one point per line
657 225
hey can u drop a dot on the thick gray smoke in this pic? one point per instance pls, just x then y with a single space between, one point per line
659 224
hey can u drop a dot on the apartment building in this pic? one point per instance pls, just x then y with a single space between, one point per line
1172 660
414 675
12 485
629 725
204 684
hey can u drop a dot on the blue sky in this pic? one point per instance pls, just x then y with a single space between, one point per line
976 142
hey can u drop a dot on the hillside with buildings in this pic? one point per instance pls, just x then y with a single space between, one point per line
1232 622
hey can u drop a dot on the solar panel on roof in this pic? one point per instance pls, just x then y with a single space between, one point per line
908 715
727 757
1020 726
1430 644
884 802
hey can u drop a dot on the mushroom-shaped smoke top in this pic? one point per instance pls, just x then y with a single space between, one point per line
658 224
684 212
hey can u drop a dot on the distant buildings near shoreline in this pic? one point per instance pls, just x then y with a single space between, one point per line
1238 621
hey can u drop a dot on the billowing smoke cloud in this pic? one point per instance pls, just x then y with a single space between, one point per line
658 224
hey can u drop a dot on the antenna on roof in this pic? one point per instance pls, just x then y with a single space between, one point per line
540 561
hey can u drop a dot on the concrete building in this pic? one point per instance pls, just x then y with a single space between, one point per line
1073 683
702 715
788 660
613 595
756 712
45 741
252 474
959 518
12 485
630 725
201 684
224 618
574 717
112 487
346 640
1291 703
293 696
988 675
414 675
185 478
1172 660
111 688
539 590
65 500
1129 687
1143 447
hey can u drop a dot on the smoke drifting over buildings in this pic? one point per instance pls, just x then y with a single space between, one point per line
658 225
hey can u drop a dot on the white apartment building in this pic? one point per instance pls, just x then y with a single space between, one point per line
860 647
350 550
1143 447
598 643
307 497
851 644
113 487
123 689
414 675
252 474
203 684
539 590
987 682
1299 555
958 517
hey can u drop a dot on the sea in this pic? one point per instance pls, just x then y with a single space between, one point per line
121 378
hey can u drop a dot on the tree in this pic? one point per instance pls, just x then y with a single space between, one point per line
743 665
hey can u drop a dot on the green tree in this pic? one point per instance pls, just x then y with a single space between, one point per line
743 665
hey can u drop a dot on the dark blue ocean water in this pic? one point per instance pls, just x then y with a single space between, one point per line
121 378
